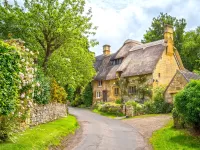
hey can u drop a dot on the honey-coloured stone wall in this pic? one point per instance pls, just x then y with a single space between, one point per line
45 113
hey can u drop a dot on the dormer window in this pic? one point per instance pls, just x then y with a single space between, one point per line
99 83
116 61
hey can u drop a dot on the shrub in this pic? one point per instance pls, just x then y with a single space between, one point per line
42 88
157 107
187 104
87 95
118 101
178 119
77 101
9 78
110 108
58 93
158 104
70 93
138 108
149 107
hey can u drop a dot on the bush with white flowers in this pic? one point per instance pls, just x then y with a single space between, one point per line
41 88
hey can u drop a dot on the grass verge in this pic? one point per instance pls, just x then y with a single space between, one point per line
169 138
42 136
147 115
106 114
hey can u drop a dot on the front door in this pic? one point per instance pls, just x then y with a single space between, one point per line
105 96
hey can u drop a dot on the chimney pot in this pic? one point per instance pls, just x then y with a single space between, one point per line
106 49
168 32
168 37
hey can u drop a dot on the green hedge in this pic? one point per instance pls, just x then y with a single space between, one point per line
187 104
9 78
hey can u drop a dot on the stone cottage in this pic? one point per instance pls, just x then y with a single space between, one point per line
158 61
178 82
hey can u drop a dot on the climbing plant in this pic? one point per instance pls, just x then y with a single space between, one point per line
9 79
16 83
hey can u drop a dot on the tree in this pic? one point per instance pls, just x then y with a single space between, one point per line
72 64
87 95
156 31
191 49
59 30
46 25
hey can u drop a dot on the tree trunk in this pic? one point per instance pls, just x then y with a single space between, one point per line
47 55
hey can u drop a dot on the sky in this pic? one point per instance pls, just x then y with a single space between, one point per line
119 20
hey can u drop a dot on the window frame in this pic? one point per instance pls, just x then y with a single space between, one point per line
132 90
100 83
98 94
116 91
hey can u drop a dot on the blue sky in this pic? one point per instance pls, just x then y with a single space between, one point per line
118 20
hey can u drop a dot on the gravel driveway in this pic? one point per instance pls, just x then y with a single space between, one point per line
146 126
102 133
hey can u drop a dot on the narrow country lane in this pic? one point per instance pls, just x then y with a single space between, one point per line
102 133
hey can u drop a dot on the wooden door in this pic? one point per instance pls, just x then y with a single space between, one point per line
105 96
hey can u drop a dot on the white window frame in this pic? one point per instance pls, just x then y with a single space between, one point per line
98 94
100 82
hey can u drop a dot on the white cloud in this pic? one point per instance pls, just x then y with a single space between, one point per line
118 20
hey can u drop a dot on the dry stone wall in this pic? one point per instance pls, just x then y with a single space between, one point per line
45 113
128 110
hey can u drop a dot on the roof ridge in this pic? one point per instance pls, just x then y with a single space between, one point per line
143 46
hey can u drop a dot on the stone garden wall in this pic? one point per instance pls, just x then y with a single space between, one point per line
127 110
45 113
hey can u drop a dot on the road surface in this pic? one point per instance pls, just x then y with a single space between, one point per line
102 133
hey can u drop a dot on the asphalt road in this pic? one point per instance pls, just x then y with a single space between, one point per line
102 133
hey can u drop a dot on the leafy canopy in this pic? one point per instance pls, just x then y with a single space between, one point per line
59 30
191 49
156 31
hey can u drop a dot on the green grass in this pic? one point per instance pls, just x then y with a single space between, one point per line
42 136
169 138
147 115
106 114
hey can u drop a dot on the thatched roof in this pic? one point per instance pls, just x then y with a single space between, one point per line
142 61
189 75
123 51
138 59
105 71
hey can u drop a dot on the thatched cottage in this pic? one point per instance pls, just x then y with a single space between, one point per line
178 82
157 61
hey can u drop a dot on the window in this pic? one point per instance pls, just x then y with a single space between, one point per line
116 91
159 75
100 83
116 61
98 94
132 89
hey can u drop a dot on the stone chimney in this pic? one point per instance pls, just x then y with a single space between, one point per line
106 50
168 37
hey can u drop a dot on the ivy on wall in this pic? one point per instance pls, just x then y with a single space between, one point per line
9 79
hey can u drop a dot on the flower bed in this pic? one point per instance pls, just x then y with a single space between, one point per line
110 108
